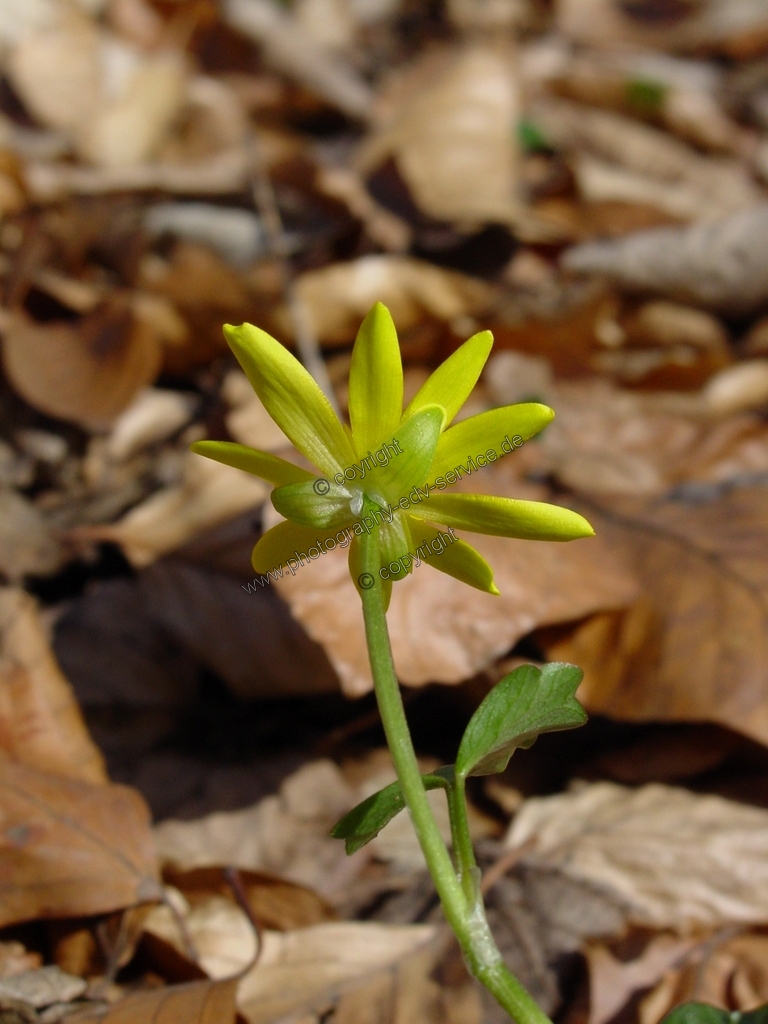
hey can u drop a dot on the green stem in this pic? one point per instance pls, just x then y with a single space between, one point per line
461 900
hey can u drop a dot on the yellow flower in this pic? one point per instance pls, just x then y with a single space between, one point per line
388 470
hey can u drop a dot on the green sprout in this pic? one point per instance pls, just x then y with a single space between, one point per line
382 480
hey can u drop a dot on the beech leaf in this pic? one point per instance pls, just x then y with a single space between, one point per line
364 822
522 705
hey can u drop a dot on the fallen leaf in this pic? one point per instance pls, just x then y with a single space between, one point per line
167 519
71 848
28 543
670 858
606 440
337 296
275 902
295 53
721 266
299 970
219 931
738 27
286 834
199 1002
726 971
612 981
114 102
205 291
43 987
695 646
617 158
86 372
40 721
15 959
438 635
450 138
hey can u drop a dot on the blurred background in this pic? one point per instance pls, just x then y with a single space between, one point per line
588 179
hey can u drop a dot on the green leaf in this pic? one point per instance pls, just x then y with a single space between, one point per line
364 822
703 1013
523 704
758 1016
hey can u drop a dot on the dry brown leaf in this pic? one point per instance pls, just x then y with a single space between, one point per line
670 858
695 646
208 494
619 159
686 100
299 970
562 325
446 124
224 940
205 290
275 902
199 1002
28 543
724 971
71 848
40 721
612 982
88 372
744 386
223 173
43 986
286 834
295 53
441 632
115 103
338 296
738 27
15 958
722 266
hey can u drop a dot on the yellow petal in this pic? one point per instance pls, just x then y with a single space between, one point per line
487 437
286 548
269 467
452 382
291 397
503 517
451 556
375 381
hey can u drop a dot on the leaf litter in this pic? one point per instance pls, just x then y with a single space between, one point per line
588 181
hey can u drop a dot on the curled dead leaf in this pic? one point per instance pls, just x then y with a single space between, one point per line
695 646
670 858
40 721
86 372
298 970
199 1002
338 296
451 138
208 494
71 848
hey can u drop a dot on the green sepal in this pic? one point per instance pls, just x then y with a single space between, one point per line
316 503
522 705
364 822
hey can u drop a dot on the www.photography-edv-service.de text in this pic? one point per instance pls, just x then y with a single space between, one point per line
366 523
